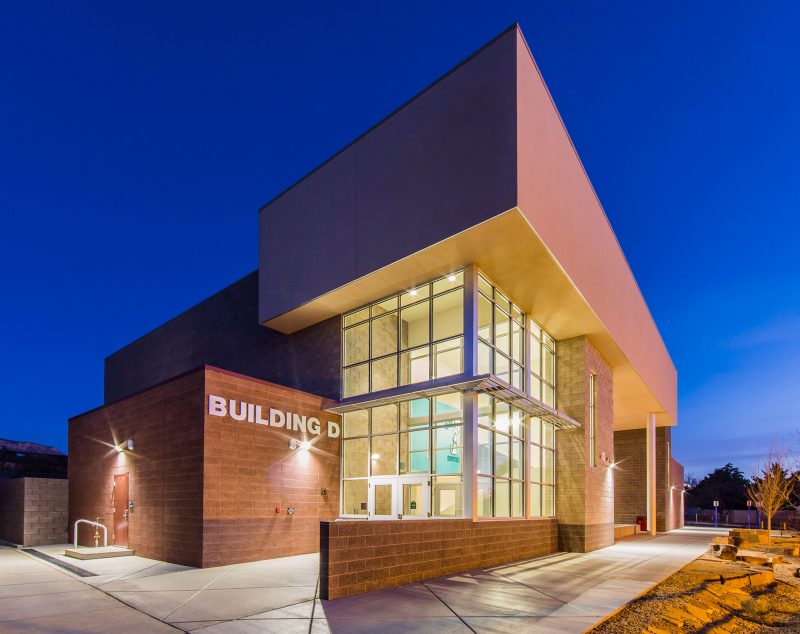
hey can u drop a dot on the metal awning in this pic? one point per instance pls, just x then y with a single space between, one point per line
484 383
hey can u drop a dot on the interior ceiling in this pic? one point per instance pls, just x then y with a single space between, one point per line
515 258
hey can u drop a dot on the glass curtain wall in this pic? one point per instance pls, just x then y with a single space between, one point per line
501 335
423 436
542 484
542 370
409 337
501 468
418 335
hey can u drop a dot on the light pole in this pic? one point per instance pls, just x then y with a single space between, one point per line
749 504
716 506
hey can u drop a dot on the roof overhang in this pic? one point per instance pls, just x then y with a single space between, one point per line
482 384
508 249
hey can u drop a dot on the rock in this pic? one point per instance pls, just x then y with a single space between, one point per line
792 552
761 578
746 538
728 553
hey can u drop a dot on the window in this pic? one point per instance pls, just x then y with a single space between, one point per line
592 421
501 335
410 337
542 365
542 468
501 472
422 436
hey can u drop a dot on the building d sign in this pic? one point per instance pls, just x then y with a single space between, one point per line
240 410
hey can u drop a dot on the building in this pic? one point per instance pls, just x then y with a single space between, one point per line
443 336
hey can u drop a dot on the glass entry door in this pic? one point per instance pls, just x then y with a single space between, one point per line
414 497
382 498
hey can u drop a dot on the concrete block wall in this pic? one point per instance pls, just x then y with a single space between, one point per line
12 510
224 331
33 511
675 496
206 488
663 478
165 471
359 556
46 511
630 479
630 476
584 494
249 471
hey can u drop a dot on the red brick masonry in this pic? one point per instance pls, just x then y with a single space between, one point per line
206 490
358 556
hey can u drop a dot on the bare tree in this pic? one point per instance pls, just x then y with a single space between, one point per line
773 487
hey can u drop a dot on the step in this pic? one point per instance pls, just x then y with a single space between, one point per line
101 552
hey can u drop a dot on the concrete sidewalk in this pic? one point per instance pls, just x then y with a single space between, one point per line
565 592
36 597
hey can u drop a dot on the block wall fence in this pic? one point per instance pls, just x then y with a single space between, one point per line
33 511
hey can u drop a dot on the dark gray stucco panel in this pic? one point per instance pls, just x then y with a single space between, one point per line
444 162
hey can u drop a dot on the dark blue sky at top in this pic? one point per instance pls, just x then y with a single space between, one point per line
139 140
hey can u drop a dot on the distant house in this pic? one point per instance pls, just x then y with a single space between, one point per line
21 459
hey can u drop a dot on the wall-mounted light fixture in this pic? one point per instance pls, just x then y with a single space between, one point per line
608 460
128 444
299 444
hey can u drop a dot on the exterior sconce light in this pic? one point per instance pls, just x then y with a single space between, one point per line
299 444
128 444
608 461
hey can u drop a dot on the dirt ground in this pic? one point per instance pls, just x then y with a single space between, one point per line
714 596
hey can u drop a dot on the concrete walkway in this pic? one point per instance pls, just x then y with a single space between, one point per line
566 592
36 597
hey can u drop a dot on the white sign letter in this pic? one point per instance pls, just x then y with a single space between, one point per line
313 426
216 406
276 418
333 429
241 414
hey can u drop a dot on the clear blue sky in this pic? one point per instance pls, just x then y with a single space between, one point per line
139 139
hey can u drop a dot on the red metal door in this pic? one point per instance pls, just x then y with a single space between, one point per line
120 510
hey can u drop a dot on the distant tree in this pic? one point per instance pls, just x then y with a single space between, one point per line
773 487
726 484
689 482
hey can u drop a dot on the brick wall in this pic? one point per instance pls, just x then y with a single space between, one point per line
250 471
165 469
630 479
224 331
630 476
584 494
12 510
46 511
33 511
675 498
358 556
205 488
